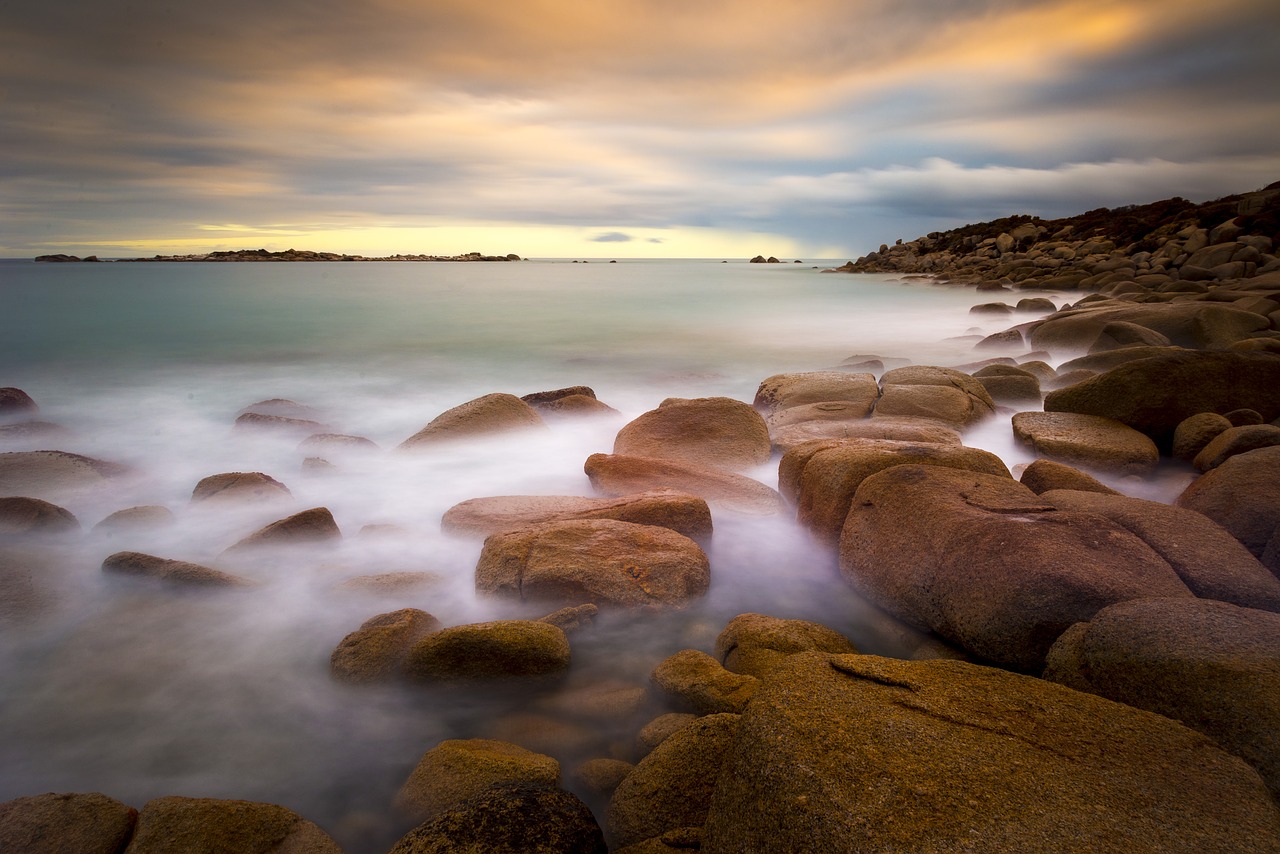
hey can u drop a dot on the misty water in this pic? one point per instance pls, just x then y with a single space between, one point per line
138 690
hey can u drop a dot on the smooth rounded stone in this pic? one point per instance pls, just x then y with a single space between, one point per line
1120 333
1194 432
601 561
1155 395
494 650
660 729
89 823
141 518
1039 369
509 818
983 562
1243 496
1001 369
15 401
544 733
680 839
1105 361
173 571
175 825
665 508
672 787
822 479
375 651
279 423
485 416
600 777
1007 339
240 486
310 526
619 474
1087 440
711 431
1268 345
1013 390
1040 304
945 404
313 466
895 429
569 620
755 644
42 473
787 391
391 582
19 515
1212 563
1198 325
1236 440
932 375
1244 417
1212 665
596 701
539 398
993 308
700 683
1044 475
827 410
33 431
1069 378
329 442
456 770
951 756
282 407
575 405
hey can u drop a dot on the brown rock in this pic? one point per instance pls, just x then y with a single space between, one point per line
666 508
283 408
240 486
500 649
32 432
258 421
1119 333
1012 389
575 405
539 398
699 682
330 442
600 777
48 473
618 474
660 729
310 526
1236 440
173 571
140 518
1087 440
66 824
15 401
1044 475
1243 496
456 770
376 650
790 436
209 826
1244 417
1189 324
572 618
1196 431
20 515
786 391
711 431
930 375
391 582
755 644
493 413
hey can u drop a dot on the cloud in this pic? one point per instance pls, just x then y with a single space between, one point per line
611 237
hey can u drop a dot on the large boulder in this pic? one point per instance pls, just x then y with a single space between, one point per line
207 826
1211 665
41 474
493 413
310 526
376 651
1195 432
712 431
755 644
666 508
239 486
1154 395
601 561
1198 325
178 572
785 391
456 770
700 683
950 756
1243 496
88 823
19 515
620 474
1043 475
985 563
1087 440
789 435
1236 440
926 391
494 650
16 402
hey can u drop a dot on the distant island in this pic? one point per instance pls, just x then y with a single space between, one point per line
260 255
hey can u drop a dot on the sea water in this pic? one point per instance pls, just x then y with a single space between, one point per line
123 687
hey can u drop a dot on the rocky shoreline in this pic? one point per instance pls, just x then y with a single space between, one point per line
262 255
1083 668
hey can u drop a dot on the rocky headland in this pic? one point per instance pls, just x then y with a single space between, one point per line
262 255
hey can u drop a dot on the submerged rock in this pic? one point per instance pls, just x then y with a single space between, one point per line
494 650
20 515
15 401
89 823
310 526
456 770
487 415
755 644
376 651
136 519
49 473
713 431
173 571
240 486
210 826
666 508
618 474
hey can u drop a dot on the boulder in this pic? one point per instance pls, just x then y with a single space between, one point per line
538 399
282 407
1243 496
456 770
1120 333
1236 440
1044 475
1194 432
89 823
665 508
619 474
15 402
698 682
680 839
1012 389
47 473
672 786
600 777
1037 304
1211 665
310 526
1198 325
755 644
331 442
660 729
1212 563
1087 440
711 431
38 433
572 618
600 561
283 423
19 515
790 436
375 651
1155 395
140 518
983 562
172 571
951 756
240 486
391 583
931 375
208 826
946 404
1244 417
500 649
484 416
785 391
510 818
574 405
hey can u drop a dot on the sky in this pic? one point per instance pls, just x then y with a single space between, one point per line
614 128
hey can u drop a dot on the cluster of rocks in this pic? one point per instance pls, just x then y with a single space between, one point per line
240 255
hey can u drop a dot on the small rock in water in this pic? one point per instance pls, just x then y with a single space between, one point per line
20 515
376 651
66 824
15 401
173 571
310 526
207 826
493 413
240 486
456 770
485 651
715 431
136 519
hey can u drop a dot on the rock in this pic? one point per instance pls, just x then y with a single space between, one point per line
712 431
601 561
1244 417
313 466
376 650
140 518
600 777
1236 440
755 644
660 729
310 526
31 432
569 620
672 787
1037 304
821 478
1154 395
239 486
391 582
172 571
456 770
1106 360
540 398
47 473
680 839
258 421
15 401
992 308
1119 333
283 408
88 823
1044 475
493 413
1194 432
509 818
1211 665
1211 562
790 436
1243 496
329 442
1197 325
1012 389
618 474
665 508
208 826
494 650
983 562
575 405
20 515
923 391
950 756
1087 440
699 682
785 391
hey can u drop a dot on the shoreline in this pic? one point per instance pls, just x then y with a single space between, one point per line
263 256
